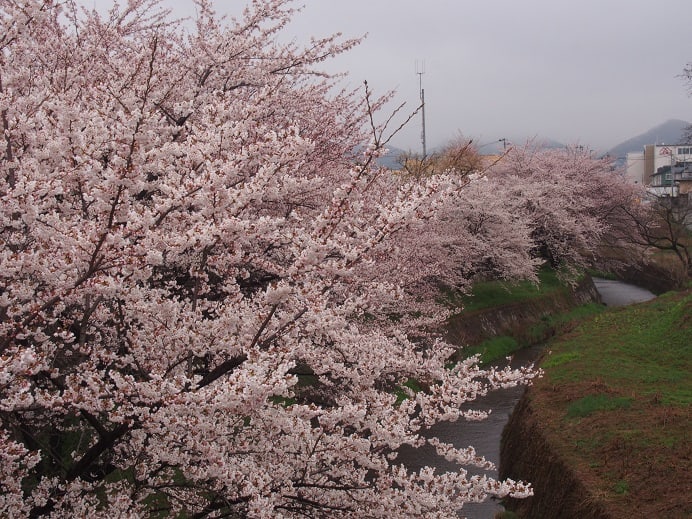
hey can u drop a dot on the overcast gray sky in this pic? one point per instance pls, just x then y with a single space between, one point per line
592 72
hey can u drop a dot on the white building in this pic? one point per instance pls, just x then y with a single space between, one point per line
665 169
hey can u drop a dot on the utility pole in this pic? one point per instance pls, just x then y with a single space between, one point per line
420 73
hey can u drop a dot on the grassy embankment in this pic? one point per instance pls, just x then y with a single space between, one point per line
494 294
615 403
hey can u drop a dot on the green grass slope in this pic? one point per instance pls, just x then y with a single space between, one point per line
615 404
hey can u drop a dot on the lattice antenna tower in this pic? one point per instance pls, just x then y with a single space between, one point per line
420 70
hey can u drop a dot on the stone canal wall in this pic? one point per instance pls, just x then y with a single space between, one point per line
516 320
525 450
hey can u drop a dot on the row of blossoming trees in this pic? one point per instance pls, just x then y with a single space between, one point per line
202 288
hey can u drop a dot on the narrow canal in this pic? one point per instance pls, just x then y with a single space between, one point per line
616 293
485 435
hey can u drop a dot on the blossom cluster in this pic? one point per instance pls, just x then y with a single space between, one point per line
202 282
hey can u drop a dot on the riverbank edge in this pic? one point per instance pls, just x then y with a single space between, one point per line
526 449
517 320
530 448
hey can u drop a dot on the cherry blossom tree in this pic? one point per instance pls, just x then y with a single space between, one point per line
193 292
527 207
569 201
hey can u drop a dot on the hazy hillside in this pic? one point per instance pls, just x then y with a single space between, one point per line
391 159
669 132
497 146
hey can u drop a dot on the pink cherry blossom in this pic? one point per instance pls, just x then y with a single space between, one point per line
207 297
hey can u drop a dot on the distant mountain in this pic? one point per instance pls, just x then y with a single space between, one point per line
391 159
498 146
547 143
669 132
